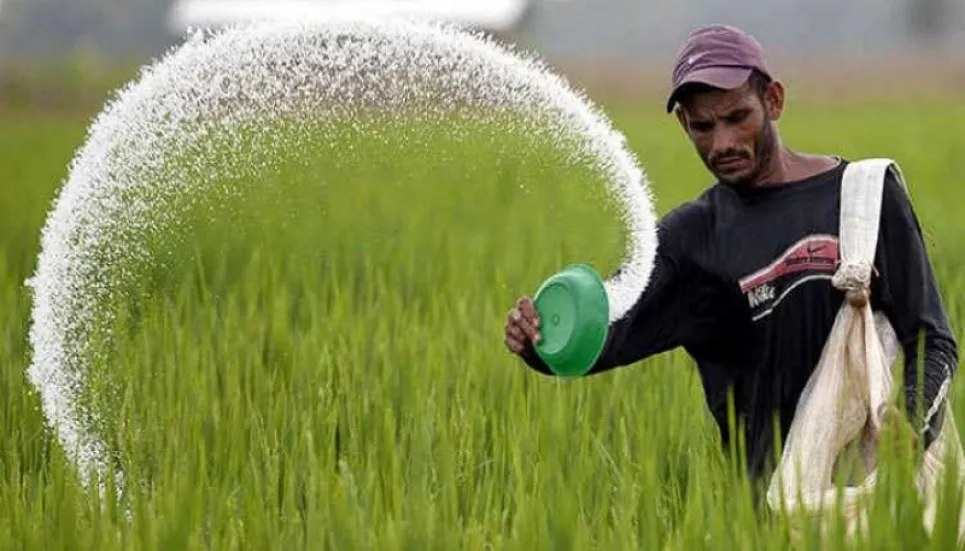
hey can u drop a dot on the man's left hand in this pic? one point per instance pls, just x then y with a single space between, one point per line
899 432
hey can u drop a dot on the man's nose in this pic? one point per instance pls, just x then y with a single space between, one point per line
724 140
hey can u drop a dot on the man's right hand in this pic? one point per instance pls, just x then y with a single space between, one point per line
522 325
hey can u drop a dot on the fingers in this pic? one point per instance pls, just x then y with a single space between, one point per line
528 308
528 318
516 332
529 327
530 322
514 345
515 336
513 333
522 325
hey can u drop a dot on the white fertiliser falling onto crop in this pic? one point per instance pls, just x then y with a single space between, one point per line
124 180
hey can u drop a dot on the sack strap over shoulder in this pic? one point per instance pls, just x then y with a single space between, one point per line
861 195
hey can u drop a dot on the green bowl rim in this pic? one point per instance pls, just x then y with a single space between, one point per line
596 338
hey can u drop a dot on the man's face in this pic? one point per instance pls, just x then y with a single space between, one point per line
732 130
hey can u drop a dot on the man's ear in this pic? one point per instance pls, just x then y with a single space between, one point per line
681 117
774 100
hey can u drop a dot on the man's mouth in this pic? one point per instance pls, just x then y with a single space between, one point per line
730 163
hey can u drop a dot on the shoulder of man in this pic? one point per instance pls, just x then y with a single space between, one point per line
897 201
894 179
688 217
897 207
686 226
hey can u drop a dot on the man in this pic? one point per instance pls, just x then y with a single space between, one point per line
742 277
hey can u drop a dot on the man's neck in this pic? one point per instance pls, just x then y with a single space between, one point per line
787 166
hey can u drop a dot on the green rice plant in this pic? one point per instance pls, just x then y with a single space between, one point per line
317 362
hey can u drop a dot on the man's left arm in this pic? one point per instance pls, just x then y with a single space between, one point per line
908 294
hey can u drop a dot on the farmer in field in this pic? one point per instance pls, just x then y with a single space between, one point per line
742 276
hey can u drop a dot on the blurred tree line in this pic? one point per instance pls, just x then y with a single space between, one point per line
130 29
112 28
930 20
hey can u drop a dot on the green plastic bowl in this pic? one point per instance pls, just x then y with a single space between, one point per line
574 320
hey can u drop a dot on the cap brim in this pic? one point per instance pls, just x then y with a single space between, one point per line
724 78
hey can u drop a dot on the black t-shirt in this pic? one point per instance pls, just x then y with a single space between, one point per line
742 282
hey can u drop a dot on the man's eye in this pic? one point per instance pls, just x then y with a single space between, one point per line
737 116
701 126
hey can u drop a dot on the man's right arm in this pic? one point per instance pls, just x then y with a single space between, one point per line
650 327
656 322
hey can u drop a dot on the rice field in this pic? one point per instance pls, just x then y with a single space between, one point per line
318 364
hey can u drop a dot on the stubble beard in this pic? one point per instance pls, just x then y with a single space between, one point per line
764 148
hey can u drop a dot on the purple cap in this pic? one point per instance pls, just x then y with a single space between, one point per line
721 56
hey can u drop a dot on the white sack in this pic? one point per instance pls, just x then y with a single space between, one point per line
845 398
